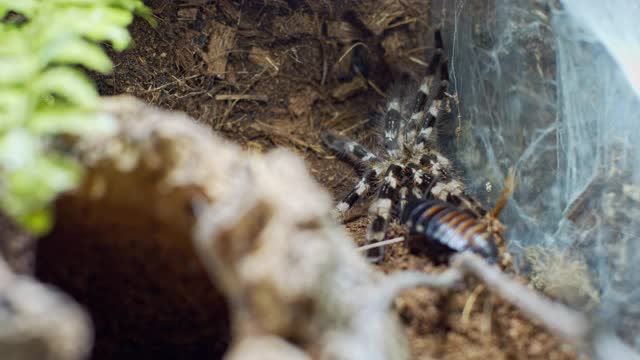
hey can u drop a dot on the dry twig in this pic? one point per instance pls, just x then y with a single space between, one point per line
256 97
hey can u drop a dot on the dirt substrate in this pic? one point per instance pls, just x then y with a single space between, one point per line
277 73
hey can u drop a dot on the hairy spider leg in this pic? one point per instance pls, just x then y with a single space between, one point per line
437 70
351 150
417 110
359 191
438 55
438 104
444 185
404 198
358 155
392 119
436 164
380 210
465 201
442 64
444 70
417 183
421 98
416 176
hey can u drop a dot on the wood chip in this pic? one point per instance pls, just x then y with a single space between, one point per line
185 50
227 8
187 14
294 26
221 41
256 97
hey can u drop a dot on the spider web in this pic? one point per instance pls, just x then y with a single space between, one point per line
553 89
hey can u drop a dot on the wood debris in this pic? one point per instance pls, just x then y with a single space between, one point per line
188 14
256 97
295 26
265 59
221 41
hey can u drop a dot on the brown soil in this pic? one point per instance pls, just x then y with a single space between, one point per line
277 73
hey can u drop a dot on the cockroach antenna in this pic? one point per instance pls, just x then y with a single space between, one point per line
509 186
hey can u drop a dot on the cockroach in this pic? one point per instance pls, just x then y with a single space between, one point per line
437 224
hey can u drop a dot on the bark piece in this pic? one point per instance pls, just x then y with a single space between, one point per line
221 41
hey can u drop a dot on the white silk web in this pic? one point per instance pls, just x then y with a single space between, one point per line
553 88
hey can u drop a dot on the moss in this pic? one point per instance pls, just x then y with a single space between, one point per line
44 95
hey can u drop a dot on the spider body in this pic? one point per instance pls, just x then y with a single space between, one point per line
457 229
409 167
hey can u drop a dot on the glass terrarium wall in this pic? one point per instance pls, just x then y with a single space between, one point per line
553 89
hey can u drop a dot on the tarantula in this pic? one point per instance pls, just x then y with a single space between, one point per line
409 168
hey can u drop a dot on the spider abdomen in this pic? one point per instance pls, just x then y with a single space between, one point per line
437 222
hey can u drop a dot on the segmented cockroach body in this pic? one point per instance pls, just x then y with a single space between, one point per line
437 222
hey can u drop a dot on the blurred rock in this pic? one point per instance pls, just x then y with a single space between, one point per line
38 322
288 270
266 348
122 244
